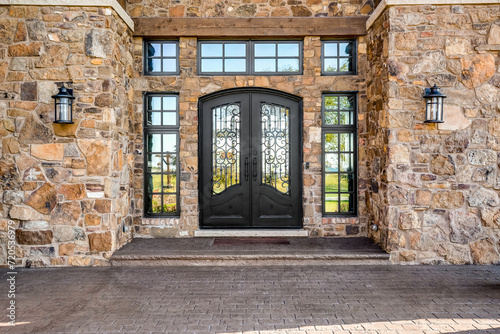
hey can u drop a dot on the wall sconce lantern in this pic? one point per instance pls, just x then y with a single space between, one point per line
64 105
433 105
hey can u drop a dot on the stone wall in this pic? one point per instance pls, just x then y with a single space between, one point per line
245 8
374 133
66 187
443 182
190 87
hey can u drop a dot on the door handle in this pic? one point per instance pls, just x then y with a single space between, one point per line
247 174
254 167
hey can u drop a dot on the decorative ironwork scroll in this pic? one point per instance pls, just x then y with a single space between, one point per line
275 146
226 147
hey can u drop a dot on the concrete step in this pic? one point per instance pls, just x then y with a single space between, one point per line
250 252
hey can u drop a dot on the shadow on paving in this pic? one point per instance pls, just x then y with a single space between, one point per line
333 299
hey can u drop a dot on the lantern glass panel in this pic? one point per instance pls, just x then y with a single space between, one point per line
64 110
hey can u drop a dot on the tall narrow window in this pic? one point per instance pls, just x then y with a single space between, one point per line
339 154
161 57
161 154
338 57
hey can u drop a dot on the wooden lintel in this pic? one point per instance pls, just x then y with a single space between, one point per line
250 27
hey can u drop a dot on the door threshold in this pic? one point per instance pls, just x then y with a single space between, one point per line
261 233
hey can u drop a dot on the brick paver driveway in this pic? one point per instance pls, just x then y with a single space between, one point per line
335 299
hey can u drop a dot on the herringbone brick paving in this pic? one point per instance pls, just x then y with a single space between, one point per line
285 300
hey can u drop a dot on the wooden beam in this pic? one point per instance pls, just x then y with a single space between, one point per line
251 27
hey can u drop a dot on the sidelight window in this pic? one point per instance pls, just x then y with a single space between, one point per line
339 154
161 136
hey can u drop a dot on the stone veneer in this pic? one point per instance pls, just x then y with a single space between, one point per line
245 8
66 187
435 188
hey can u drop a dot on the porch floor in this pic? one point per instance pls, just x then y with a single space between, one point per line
248 251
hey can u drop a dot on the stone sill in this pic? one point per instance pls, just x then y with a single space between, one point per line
236 233
74 3
389 3
488 47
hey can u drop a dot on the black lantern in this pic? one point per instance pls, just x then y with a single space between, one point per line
433 105
64 105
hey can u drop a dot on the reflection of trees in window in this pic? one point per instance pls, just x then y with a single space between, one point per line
339 143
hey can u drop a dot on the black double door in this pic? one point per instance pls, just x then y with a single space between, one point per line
250 166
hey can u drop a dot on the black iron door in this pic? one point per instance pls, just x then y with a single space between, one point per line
250 166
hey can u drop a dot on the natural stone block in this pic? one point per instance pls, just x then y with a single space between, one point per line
54 56
92 220
484 197
482 157
457 46
29 91
494 126
487 94
33 174
33 237
24 213
66 249
98 154
25 50
484 251
73 191
447 199
454 254
102 205
453 118
423 197
7 31
36 225
66 213
43 199
490 217
494 34
409 220
407 256
477 69
100 242
79 261
34 132
48 151
36 30
465 226
98 43
430 62
442 165
457 142
57 174
397 196
13 197
10 145
430 144
399 154
68 233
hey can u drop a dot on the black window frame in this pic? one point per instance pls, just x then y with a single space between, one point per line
332 128
250 57
161 129
354 57
146 57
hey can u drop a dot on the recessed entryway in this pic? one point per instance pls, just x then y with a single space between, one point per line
250 160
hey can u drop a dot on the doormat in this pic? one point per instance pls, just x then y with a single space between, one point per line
249 241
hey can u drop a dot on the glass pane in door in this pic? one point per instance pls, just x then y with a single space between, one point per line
275 146
226 147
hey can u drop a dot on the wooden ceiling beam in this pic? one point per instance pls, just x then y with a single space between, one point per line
250 27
